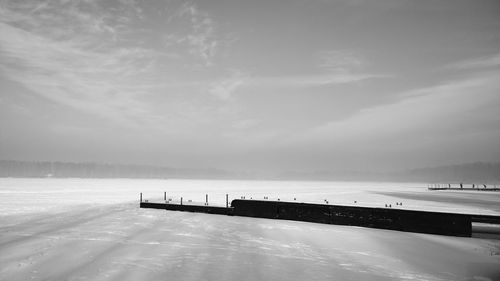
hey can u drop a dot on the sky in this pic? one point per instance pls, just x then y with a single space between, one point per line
274 85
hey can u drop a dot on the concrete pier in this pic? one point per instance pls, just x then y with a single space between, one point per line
382 218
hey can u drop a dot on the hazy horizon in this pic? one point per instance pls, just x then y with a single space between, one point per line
251 85
470 173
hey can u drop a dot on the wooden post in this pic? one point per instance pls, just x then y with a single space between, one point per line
141 198
181 200
227 201
165 196
206 199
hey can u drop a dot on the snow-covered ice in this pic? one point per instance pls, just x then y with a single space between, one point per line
92 229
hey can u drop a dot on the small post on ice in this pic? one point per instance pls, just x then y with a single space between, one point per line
227 201
165 196
141 197
181 200
206 199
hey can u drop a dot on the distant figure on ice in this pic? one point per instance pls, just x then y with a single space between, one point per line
461 185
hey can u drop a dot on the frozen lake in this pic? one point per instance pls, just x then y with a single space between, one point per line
24 196
77 229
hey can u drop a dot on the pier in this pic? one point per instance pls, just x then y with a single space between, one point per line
440 223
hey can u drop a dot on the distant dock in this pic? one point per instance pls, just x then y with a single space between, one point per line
450 224
465 188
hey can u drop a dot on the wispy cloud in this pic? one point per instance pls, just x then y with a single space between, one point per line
338 67
476 63
311 80
71 58
201 36
452 108
63 20
223 89
341 61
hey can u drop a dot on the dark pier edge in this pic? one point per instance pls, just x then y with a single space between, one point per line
382 218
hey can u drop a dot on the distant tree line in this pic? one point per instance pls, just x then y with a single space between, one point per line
28 169
479 173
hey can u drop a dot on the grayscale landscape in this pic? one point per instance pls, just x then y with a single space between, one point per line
377 110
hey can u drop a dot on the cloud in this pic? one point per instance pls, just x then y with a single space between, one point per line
444 111
84 70
337 66
311 80
103 58
333 79
476 63
66 19
223 89
201 38
340 61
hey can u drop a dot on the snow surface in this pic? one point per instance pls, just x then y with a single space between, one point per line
92 229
